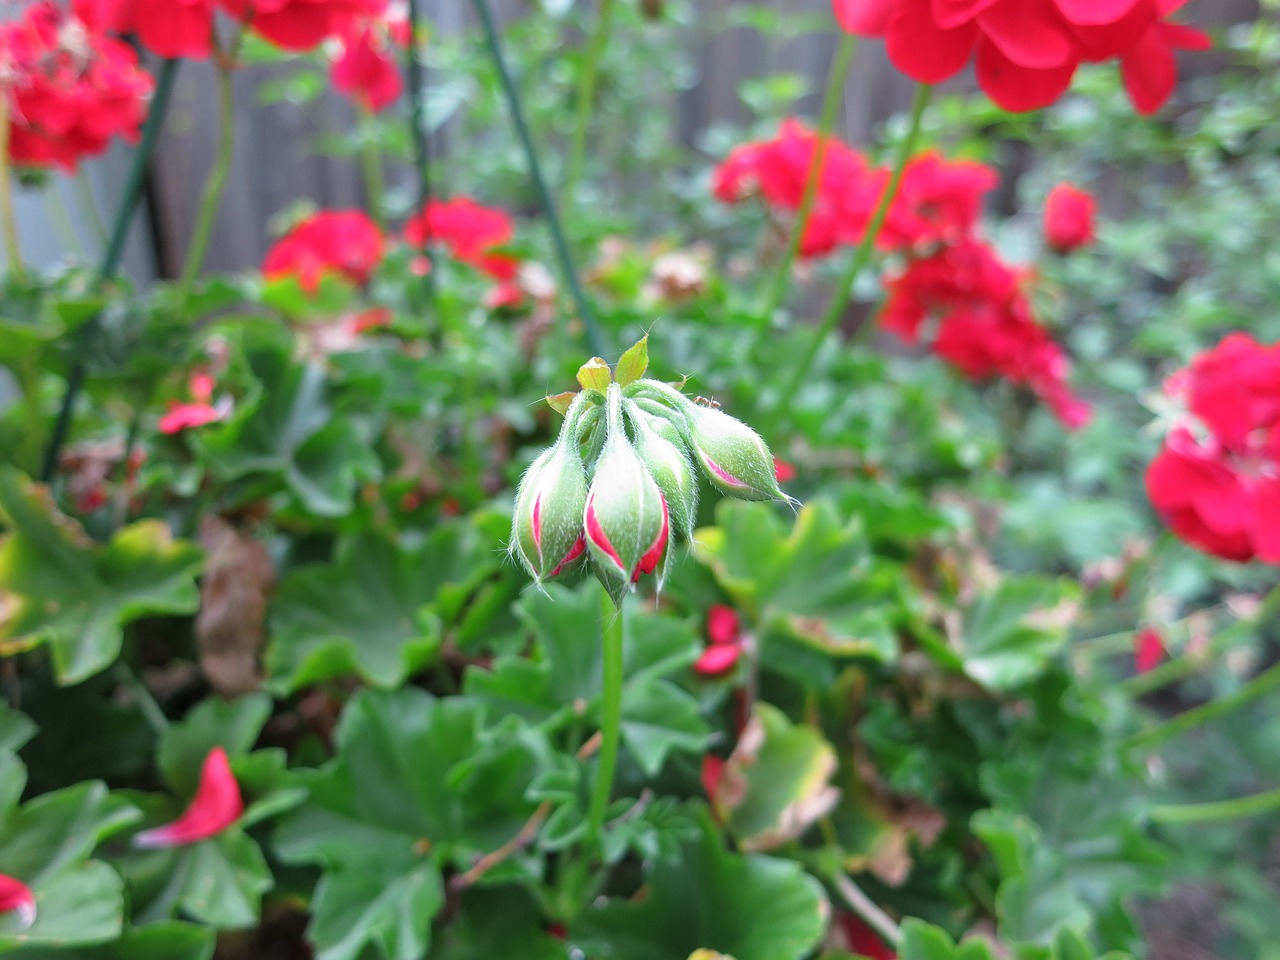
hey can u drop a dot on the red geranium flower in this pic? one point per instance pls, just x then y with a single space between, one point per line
168 28
70 90
216 806
1148 650
16 897
469 231
938 201
366 70
303 24
200 412
1068 218
346 242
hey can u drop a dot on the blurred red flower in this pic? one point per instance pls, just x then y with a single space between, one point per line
470 232
1069 218
70 89
345 242
724 631
366 70
168 28
16 897
1148 650
1026 51
216 806
302 25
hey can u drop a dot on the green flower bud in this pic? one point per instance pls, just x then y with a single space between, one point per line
546 530
661 446
734 457
626 518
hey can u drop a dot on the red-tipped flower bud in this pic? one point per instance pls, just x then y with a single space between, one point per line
662 449
735 458
546 529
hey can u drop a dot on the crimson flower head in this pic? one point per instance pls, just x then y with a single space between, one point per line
470 231
70 89
168 28
216 806
302 25
1069 218
1216 481
1148 650
345 242
1026 51
16 897
366 70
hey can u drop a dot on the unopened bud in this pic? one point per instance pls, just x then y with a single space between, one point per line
660 446
735 458
546 532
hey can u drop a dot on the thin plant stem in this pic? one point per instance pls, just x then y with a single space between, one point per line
213 186
112 257
1261 685
421 144
60 217
611 718
595 337
8 222
1250 806
861 256
88 205
831 101
588 78
863 906
371 168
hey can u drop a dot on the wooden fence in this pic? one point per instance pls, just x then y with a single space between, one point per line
275 164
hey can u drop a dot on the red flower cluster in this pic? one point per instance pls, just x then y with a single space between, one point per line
724 631
345 242
366 69
70 89
304 24
1027 51
1216 482
937 201
1069 218
216 806
168 28
473 234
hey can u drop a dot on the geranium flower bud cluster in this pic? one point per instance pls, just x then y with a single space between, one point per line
70 89
1027 51
1216 481
620 484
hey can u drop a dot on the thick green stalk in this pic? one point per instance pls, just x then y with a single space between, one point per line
371 168
861 256
611 718
595 337
831 100
8 221
1250 806
111 259
1261 685
588 78
213 187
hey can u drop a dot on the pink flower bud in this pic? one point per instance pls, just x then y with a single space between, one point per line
1148 650
546 532
216 806
735 458
16 897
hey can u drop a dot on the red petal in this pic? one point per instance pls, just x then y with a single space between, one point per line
1027 32
921 49
574 553
717 661
1150 73
1088 13
1148 650
649 562
723 625
216 806
949 14
1266 520
712 767
598 536
866 18
16 897
1016 88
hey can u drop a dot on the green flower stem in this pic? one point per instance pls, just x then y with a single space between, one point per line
8 222
213 187
1261 685
611 718
1250 806
88 207
863 906
60 217
831 101
421 147
371 169
594 335
861 256
111 259
588 78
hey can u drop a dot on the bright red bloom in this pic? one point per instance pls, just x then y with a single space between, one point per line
70 90
968 275
168 28
938 201
216 806
16 897
367 71
200 412
303 24
1027 51
469 231
346 242
1069 218
1148 650
862 939
1234 389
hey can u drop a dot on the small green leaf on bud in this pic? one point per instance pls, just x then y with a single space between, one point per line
561 402
634 362
546 530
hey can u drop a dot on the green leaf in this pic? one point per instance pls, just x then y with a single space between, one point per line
923 941
168 940
75 595
1010 633
634 362
233 725
816 585
15 728
376 611
416 783
595 375
777 782
750 907
83 903
497 923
